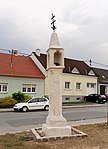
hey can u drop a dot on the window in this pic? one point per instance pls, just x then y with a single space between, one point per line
90 85
29 88
78 86
32 100
42 100
67 98
67 85
91 73
3 88
75 70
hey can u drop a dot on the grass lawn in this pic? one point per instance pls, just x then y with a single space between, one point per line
77 103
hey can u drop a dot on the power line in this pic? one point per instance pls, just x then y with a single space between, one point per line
90 61
10 51
5 50
93 62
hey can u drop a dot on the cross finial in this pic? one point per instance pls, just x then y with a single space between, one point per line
90 62
53 21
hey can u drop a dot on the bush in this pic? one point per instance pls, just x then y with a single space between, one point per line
20 97
7 102
26 97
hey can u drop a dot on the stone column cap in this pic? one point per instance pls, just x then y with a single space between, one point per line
54 42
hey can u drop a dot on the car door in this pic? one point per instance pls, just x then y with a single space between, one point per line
90 97
41 103
33 104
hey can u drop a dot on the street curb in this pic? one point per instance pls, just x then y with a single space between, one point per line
6 110
82 106
64 107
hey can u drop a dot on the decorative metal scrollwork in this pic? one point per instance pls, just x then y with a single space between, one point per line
53 21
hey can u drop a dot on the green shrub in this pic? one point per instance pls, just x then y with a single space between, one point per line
7 102
20 97
26 97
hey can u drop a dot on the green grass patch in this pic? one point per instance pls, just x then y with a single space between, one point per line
11 145
76 103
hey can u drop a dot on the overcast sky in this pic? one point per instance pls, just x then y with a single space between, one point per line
82 27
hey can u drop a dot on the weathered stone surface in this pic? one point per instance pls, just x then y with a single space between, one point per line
56 124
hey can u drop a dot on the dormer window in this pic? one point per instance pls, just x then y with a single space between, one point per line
91 73
103 77
75 70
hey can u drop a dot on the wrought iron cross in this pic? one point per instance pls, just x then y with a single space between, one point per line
53 21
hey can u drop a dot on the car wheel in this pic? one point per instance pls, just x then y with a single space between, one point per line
46 108
85 99
24 109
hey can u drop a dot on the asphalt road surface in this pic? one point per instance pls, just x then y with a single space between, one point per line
20 121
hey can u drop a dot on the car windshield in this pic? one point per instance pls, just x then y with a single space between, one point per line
102 96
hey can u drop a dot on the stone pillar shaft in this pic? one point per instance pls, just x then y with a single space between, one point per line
55 96
56 124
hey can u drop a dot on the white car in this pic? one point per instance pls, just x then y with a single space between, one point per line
32 104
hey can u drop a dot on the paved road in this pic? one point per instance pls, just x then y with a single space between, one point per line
19 121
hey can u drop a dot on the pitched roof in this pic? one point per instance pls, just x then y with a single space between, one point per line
102 74
70 64
42 59
11 65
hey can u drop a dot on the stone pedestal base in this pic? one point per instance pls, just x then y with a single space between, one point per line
56 121
56 126
56 131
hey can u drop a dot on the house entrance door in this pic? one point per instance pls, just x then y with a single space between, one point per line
102 90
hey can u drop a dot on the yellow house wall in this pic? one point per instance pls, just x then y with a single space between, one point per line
74 78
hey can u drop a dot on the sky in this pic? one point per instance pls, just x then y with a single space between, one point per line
82 27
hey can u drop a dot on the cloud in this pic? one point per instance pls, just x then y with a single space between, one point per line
81 26
104 45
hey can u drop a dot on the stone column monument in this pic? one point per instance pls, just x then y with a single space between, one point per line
56 124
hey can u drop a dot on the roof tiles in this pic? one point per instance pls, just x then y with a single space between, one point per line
70 64
11 65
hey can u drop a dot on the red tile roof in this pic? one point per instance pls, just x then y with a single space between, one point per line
21 66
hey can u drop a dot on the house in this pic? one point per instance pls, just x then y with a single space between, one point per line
78 79
102 80
20 73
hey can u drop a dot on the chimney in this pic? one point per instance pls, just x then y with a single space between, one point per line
14 52
37 51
